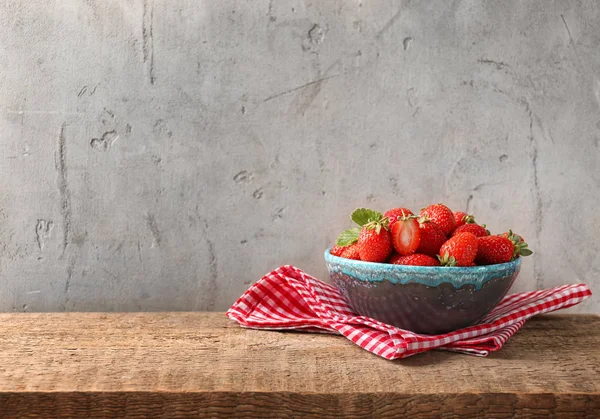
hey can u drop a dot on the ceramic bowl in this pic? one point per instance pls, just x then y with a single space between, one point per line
422 299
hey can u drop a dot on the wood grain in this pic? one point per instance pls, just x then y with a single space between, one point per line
137 365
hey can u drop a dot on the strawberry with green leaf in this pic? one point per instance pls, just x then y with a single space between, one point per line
373 238
462 218
362 217
395 213
441 215
459 250
499 249
374 243
521 248
509 233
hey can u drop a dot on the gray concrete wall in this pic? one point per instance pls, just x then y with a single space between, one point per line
163 155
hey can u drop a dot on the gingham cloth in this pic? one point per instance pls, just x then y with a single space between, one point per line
290 299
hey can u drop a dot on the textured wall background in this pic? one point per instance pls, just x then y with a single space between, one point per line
162 155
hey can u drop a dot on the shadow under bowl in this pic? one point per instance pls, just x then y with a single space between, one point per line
422 299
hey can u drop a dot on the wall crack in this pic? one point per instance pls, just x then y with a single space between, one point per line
148 38
63 188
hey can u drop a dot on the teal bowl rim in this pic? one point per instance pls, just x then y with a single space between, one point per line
428 275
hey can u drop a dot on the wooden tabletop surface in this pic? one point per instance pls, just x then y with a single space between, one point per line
138 365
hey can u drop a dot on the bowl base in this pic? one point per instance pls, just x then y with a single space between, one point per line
421 308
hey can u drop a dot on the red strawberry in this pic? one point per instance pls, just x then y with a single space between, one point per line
393 257
476 229
432 237
406 235
494 249
500 249
459 250
441 215
463 218
416 259
351 252
396 213
374 243
337 250
371 241
510 234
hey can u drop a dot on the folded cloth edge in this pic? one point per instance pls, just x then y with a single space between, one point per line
480 339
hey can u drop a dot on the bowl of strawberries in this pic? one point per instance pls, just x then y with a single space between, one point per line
430 273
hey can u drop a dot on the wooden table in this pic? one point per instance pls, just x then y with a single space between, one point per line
138 365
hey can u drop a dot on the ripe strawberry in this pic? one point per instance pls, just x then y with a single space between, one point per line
494 249
416 259
509 233
337 250
351 252
406 235
374 243
476 229
463 218
501 249
459 250
370 241
396 213
432 237
441 215
393 257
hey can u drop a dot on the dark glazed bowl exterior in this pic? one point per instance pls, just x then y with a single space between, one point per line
422 299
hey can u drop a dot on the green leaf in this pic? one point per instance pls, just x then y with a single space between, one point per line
447 260
348 237
525 252
378 228
451 261
469 219
362 216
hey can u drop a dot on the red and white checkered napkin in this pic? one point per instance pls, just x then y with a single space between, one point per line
290 299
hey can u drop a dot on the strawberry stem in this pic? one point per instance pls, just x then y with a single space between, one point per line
447 260
469 219
520 247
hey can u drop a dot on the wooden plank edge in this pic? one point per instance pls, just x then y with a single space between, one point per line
138 405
